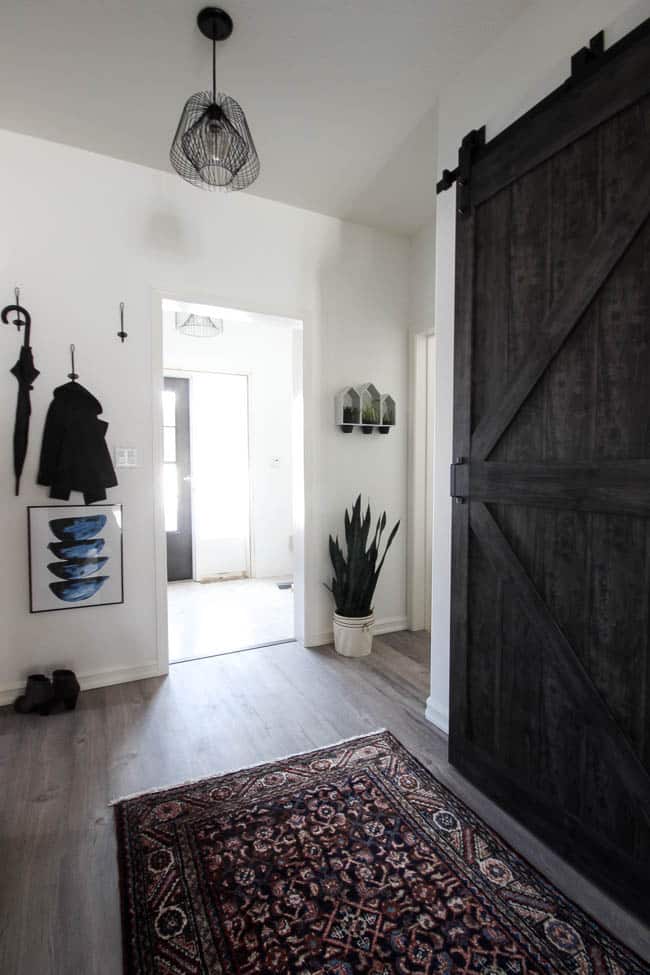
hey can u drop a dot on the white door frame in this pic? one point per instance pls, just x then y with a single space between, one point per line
306 483
421 442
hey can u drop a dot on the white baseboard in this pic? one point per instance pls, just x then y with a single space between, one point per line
101 678
392 624
437 716
389 624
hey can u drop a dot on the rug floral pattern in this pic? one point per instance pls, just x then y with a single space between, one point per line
351 859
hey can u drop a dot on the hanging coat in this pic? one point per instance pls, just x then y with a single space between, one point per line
74 455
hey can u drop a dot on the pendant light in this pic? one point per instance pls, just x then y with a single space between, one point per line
199 326
213 147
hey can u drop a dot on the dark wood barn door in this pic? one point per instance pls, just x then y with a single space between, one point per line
550 698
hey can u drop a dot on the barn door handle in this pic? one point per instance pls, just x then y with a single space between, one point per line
458 480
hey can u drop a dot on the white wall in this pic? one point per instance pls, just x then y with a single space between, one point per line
82 232
529 61
262 349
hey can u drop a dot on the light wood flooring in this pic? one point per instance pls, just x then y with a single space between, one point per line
59 903
211 618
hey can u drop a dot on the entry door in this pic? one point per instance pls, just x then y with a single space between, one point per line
177 478
550 702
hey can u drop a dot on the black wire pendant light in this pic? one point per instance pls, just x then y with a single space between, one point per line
213 147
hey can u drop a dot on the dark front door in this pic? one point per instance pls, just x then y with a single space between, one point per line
550 695
177 478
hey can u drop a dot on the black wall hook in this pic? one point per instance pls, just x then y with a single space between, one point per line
72 375
122 334
18 308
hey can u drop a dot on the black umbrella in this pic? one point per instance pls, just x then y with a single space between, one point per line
25 372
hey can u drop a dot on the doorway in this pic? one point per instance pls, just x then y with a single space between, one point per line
229 430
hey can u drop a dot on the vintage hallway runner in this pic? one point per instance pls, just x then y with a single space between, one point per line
350 859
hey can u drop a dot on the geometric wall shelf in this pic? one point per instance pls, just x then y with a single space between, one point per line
388 413
370 406
365 408
348 409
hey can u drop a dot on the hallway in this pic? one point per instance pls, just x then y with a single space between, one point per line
60 773
208 619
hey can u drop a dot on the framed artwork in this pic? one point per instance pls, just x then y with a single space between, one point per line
75 556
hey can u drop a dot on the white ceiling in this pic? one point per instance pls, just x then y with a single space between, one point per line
339 94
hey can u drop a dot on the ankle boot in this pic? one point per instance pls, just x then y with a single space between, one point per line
38 696
66 688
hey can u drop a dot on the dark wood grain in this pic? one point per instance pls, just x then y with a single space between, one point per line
609 245
579 684
622 487
554 601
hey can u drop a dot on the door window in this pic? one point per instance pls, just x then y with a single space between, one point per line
170 467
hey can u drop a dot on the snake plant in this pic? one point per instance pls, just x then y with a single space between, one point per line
355 577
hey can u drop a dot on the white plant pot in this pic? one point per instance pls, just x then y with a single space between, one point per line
353 635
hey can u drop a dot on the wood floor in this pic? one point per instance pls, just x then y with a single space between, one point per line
206 619
59 905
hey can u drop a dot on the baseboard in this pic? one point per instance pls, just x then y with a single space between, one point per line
437 717
101 678
389 624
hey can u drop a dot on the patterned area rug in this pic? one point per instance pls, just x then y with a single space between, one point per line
350 859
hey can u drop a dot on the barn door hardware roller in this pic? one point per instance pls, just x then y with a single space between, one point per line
473 141
587 58
583 63
459 480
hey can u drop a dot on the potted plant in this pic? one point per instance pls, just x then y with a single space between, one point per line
369 419
355 580
350 417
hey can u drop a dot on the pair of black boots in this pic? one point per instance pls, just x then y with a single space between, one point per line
45 695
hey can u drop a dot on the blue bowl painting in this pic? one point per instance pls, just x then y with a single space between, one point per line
77 550
76 590
77 568
77 529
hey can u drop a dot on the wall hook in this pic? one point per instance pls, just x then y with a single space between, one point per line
72 375
122 334
18 321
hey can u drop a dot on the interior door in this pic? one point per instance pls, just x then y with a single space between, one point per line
177 478
550 687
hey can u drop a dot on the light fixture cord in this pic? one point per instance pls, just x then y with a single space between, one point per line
214 71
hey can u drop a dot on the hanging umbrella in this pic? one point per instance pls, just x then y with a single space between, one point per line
25 372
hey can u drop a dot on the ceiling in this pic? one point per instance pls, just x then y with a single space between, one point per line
339 94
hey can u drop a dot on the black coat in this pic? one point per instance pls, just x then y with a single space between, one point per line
74 455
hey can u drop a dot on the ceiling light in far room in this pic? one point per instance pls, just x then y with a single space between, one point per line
213 147
199 326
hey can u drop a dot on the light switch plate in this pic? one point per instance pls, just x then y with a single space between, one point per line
126 457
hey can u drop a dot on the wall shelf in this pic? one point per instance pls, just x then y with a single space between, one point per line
364 408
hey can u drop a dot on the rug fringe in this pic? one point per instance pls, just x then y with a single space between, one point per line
243 768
